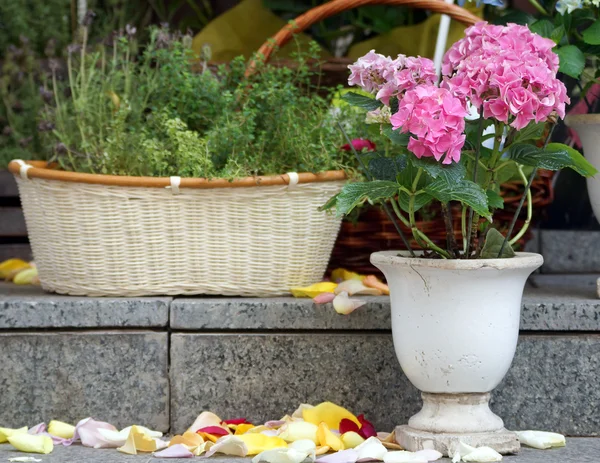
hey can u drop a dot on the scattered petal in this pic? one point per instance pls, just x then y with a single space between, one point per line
344 456
10 266
257 443
24 459
25 277
314 290
430 454
88 431
236 421
541 439
357 287
344 305
7 432
341 274
304 445
322 450
392 446
275 424
270 432
214 430
204 447
328 413
208 437
229 445
387 436
243 428
300 410
351 439
38 429
31 444
347 425
281 456
191 439
175 451
204 420
371 449
482 455
298 430
326 437
138 441
366 427
324 298
403 456
372 281
60 429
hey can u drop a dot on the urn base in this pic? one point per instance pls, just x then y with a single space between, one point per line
502 441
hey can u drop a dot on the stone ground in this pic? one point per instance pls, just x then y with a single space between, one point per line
578 450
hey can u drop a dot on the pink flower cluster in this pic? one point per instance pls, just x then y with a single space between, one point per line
436 118
387 77
508 70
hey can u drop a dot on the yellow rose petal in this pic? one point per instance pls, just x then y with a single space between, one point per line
328 413
209 437
7 432
190 439
31 444
243 428
60 429
322 450
326 437
314 290
351 439
341 274
25 277
258 443
299 430
138 441
202 448
10 266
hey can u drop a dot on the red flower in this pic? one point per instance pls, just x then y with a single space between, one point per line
365 430
360 144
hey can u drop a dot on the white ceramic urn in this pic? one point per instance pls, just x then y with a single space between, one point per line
455 326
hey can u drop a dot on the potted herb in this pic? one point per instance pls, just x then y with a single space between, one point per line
456 307
164 180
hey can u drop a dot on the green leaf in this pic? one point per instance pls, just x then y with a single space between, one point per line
578 163
572 60
329 204
493 244
557 34
465 191
387 168
533 131
542 27
362 101
495 201
555 157
354 194
448 172
592 34
396 137
420 200
394 103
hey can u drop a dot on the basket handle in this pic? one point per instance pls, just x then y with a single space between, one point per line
317 14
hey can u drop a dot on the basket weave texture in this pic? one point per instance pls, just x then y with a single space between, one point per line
111 240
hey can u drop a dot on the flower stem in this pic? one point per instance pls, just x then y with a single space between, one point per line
450 238
538 7
477 154
518 236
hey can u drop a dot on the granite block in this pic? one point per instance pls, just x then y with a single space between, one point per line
551 386
31 307
578 450
568 251
550 302
119 377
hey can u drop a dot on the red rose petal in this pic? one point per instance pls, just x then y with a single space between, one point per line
347 425
236 421
367 429
214 430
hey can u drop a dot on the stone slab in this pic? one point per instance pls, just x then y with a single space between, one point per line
551 302
30 307
578 450
119 377
12 222
553 384
570 251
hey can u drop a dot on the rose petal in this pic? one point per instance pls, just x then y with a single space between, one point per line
541 439
214 430
347 425
482 455
341 274
188 438
371 449
60 429
304 445
175 451
31 444
328 413
324 298
403 457
314 290
87 431
430 454
275 424
7 432
24 459
281 456
204 420
229 445
372 281
384 436
38 429
236 421
243 428
351 439
356 287
298 430
344 305
392 446
322 450
257 443
204 447
326 437
343 456
366 429
300 410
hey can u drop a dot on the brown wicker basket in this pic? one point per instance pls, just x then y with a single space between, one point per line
373 231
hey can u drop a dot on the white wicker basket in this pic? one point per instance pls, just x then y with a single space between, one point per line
99 239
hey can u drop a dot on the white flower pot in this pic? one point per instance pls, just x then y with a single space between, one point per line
588 129
455 325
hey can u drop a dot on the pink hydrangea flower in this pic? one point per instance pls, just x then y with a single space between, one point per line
436 120
508 70
387 77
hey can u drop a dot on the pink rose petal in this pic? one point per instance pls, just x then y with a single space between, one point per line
277 423
37 429
87 431
343 456
175 451
324 298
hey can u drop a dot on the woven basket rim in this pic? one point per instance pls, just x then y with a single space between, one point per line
42 170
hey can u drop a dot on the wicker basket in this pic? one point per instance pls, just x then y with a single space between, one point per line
101 235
